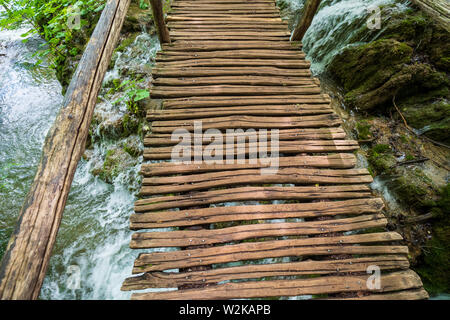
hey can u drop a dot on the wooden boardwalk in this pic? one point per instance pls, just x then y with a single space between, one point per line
311 228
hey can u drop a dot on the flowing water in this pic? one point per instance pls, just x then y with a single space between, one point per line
94 236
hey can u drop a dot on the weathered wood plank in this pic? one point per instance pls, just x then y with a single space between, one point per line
395 281
214 45
241 151
228 71
318 246
187 183
251 194
341 160
249 122
419 294
186 238
234 54
233 62
158 140
191 217
281 110
202 102
160 92
174 280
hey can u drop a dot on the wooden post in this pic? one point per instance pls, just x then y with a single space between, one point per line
158 17
309 11
26 259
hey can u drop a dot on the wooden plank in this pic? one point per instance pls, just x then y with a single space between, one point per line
175 279
229 19
419 294
233 62
341 160
214 45
227 26
210 33
25 261
202 102
224 15
281 110
251 194
186 238
178 184
310 247
191 217
248 122
235 54
395 281
196 37
228 71
219 153
157 140
159 92
212 11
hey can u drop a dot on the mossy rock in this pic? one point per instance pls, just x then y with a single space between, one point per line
433 269
363 130
381 159
116 161
432 119
370 64
132 146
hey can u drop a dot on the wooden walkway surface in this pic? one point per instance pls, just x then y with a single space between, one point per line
311 228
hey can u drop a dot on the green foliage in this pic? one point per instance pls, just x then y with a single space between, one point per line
363 130
143 4
132 94
54 21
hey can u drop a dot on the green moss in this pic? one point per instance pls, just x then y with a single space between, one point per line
409 60
359 66
363 130
381 159
116 161
433 269
408 193
130 125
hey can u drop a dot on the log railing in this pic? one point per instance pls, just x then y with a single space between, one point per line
309 11
25 262
158 18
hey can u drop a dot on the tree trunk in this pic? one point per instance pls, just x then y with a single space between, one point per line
309 11
158 16
26 259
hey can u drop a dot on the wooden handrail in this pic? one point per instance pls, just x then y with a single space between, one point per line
26 259
158 17
309 11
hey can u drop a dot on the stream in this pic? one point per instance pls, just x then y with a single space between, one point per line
94 235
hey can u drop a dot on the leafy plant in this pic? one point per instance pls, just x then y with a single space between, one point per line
143 4
50 20
132 94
